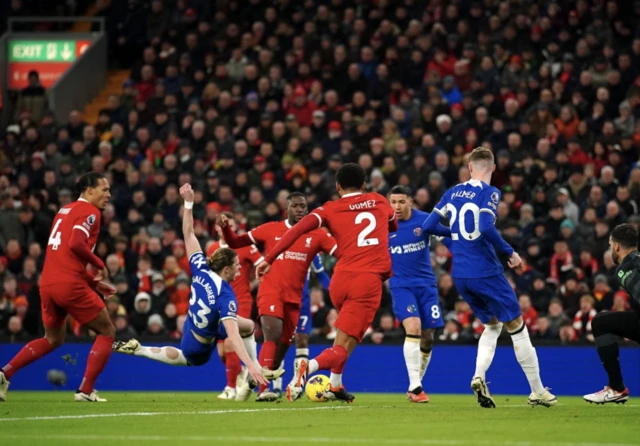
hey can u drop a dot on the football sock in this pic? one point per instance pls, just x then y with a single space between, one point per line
527 357
267 353
252 348
31 352
277 383
330 358
487 349
336 380
411 350
425 359
98 357
609 353
168 355
233 368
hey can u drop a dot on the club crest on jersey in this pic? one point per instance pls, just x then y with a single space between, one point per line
307 243
91 219
417 232
495 197
412 309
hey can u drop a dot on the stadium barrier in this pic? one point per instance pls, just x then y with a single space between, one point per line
567 370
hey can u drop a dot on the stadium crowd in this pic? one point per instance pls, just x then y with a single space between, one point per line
249 102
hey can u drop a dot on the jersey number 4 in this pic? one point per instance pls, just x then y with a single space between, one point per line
453 215
362 237
56 237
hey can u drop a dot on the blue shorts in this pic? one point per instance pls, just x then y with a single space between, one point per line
419 302
490 297
304 322
193 350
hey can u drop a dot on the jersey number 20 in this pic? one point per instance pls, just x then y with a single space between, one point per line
453 215
362 237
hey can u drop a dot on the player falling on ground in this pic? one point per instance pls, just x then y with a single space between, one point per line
248 256
303 330
478 274
67 288
413 289
361 223
279 294
606 326
212 309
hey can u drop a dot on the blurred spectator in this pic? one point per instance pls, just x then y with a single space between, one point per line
387 330
155 327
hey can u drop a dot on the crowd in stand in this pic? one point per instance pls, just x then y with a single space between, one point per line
249 101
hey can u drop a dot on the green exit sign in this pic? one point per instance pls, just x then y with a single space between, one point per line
42 50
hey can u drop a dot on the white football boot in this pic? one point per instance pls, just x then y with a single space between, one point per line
93 397
604 396
547 399
128 348
4 387
295 389
481 390
229 393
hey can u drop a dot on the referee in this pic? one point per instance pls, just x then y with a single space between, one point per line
626 324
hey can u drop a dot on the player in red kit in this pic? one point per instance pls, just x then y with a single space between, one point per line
360 223
249 256
67 288
280 293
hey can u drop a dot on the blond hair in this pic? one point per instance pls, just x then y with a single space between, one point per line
482 157
221 258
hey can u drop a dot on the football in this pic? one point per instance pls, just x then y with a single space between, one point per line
315 388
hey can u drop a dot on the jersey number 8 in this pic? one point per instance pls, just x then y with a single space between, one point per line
453 215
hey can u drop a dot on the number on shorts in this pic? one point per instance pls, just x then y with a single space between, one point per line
56 237
304 320
201 315
362 240
468 207
435 312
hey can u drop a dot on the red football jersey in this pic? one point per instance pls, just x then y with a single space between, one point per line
248 256
360 224
289 270
61 265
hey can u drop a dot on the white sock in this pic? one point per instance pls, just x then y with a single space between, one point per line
487 348
250 346
336 380
168 355
411 350
277 383
302 353
313 367
528 359
425 359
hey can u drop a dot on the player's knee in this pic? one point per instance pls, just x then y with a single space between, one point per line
108 330
412 326
598 324
54 341
514 324
246 328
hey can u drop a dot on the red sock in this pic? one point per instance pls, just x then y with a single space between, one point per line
267 353
31 352
98 357
233 368
339 368
330 358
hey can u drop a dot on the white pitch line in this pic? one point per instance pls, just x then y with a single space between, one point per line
153 414
301 440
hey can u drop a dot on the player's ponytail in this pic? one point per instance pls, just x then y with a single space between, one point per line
221 258
89 179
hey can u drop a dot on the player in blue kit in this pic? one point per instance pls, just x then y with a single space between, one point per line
478 274
303 330
212 310
413 289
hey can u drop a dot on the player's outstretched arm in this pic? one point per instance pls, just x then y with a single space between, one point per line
190 240
232 239
233 335
433 225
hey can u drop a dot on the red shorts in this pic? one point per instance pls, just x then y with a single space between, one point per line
271 304
245 306
76 299
357 297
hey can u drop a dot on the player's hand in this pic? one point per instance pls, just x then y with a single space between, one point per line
222 220
101 275
256 374
186 192
515 262
262 269
105 289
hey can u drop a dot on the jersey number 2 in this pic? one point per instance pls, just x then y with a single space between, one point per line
362 237
56 237
475 211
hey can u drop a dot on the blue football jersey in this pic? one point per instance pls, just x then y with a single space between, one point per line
212 299
473 254
410 257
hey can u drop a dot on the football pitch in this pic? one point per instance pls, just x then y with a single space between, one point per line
53 418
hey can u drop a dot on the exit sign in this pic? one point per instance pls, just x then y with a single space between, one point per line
46 50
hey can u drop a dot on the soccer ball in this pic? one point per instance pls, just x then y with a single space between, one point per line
315 388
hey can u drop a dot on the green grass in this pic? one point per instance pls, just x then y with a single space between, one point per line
52 418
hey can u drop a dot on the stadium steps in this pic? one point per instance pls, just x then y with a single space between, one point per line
85 27
114 86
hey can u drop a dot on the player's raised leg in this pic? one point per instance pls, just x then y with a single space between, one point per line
98 356
167 355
